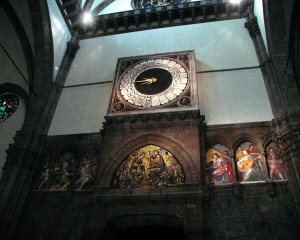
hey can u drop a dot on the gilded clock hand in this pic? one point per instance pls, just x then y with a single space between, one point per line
147 81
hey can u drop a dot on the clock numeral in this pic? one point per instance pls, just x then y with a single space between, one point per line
155 101
151 62
171 64
163 99
181 86
182 70
126 97
139 102
165 61
147 103
172 87
158 61
124 92
170 96
177 92
183 75
184 80
131 100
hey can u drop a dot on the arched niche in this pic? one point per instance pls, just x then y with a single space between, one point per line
110 164
219 165
150 166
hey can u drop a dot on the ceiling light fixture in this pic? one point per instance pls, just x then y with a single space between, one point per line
87 18
235 1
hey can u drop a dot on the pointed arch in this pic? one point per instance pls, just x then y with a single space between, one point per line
111 163
241 139
214 140
23 38
266 139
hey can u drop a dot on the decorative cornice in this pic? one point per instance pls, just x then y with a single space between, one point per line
159 197
154 117
73 46
95 136
286 121
289 143
252 27
245 7
243 126
165 16
287 133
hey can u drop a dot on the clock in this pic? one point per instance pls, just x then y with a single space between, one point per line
162 82
153 82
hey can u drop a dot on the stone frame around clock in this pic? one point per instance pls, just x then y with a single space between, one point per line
119 107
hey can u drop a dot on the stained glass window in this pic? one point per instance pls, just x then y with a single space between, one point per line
157 3
8 105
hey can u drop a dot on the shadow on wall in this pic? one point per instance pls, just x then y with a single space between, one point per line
203 103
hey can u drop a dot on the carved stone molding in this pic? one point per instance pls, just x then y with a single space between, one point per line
231 135
163 16
153 118
73 46
288 143
252 27
142 196
287 133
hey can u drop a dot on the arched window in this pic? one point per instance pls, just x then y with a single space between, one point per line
8 105
156 3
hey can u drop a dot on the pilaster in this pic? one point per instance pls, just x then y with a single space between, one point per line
281 88
24 155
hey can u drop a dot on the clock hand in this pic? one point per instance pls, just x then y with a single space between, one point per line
147 81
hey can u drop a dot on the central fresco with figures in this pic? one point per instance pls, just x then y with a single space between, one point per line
149 166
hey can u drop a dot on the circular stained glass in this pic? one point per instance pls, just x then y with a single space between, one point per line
157 3
8 105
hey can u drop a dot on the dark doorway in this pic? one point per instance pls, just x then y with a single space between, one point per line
150 232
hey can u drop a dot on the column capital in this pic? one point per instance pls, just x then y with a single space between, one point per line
252 26
73 45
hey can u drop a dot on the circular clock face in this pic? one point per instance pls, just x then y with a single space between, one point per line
153 83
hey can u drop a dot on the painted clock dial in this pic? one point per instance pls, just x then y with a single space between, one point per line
153 82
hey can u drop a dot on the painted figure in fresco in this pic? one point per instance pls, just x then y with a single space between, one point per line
250 165
149 166
225 154
220 170
86 176
156 162
63 174
172 173
137 170
176 173
156 166
44 178
277 170
123 177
